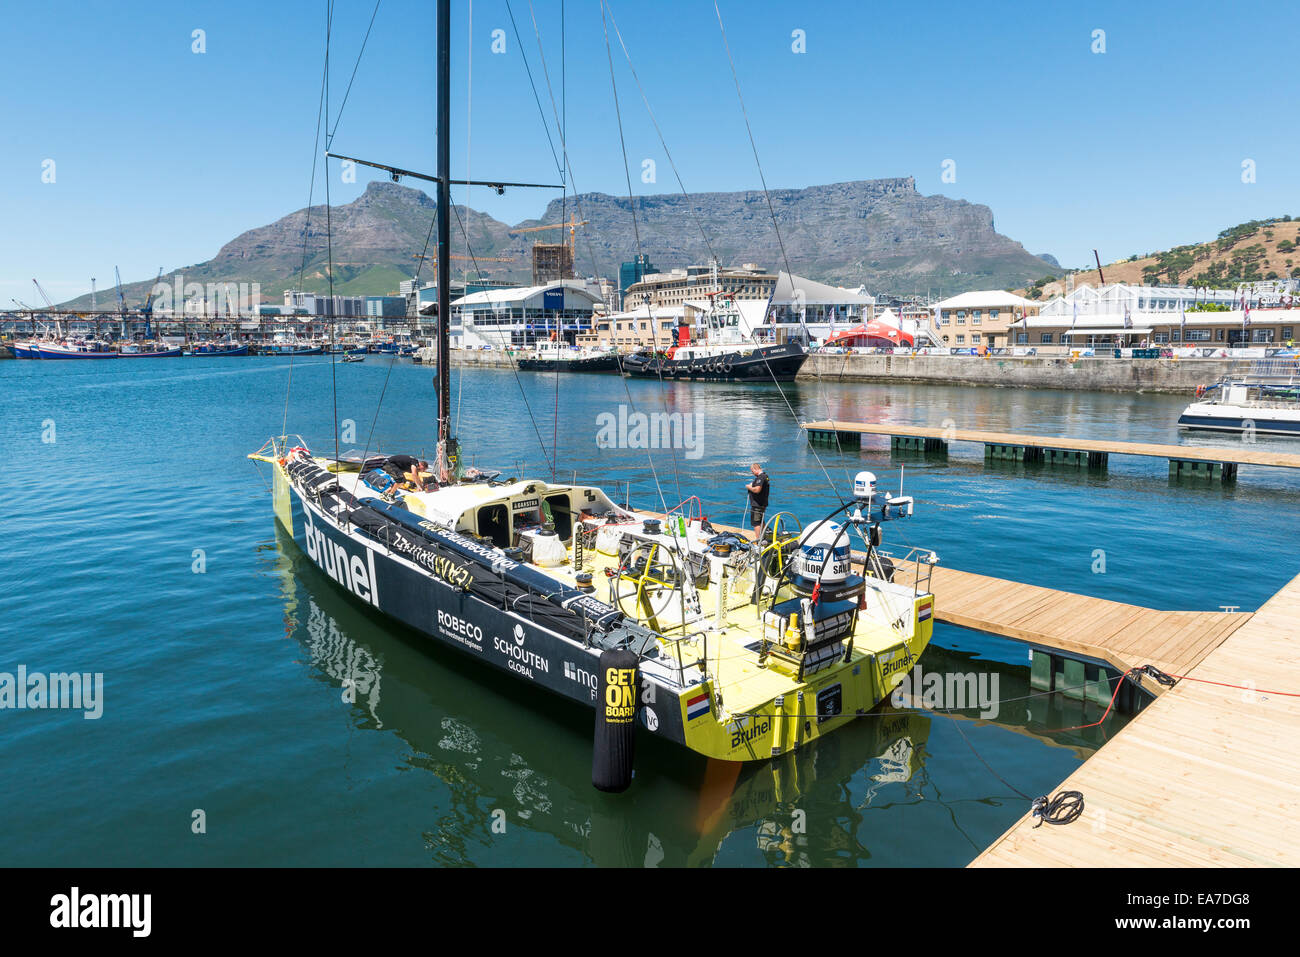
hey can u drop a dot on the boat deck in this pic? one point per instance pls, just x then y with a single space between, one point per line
1206 776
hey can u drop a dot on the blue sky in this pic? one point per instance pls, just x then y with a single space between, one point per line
162 154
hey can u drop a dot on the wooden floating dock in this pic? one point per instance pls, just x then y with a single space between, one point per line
1184 460
1081 645
1207 776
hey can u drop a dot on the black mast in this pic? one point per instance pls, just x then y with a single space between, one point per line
448 452
446 444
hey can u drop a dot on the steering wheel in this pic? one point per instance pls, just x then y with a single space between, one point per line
781 542
647 581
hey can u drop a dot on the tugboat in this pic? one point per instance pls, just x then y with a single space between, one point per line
738 651
553 356
1265 400
725 355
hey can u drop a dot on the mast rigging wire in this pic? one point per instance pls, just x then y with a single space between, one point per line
781 243
329 246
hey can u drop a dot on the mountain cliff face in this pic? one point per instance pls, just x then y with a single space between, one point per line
881 233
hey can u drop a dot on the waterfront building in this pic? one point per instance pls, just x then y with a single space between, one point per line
799 303
979 319
1131 315
519 316
676 286
630 273
316 304
386 308
655 327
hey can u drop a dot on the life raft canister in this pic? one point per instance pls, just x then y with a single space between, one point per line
617 696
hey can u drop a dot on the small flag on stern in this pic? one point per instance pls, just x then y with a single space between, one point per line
697 706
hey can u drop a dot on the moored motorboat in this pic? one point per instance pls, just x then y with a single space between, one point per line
551 356
1265 401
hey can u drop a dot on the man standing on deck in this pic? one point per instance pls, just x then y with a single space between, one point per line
758 490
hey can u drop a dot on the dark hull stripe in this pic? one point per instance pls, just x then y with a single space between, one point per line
1202 423
461 620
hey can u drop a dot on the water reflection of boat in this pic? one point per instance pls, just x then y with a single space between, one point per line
462 732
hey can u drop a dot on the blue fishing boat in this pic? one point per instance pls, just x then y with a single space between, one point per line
220 349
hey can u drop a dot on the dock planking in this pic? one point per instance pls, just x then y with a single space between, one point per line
1204 777
1094 447
1119 635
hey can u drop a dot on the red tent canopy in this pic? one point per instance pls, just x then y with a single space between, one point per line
872 333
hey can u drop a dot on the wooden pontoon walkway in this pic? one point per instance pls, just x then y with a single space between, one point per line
1205 776
1083 452
1119 635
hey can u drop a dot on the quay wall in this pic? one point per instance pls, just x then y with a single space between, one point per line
1032 372
1179 376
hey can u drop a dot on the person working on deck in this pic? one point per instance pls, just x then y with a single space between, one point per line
758 490
409 471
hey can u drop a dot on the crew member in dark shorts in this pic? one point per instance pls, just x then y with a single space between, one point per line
408 469
758 490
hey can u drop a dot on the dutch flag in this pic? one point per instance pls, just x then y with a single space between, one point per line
697 706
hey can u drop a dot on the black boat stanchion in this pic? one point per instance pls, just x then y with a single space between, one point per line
616 703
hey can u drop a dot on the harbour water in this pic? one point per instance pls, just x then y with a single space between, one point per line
243 692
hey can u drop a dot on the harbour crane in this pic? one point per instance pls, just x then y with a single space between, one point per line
146 309
48 303
121 300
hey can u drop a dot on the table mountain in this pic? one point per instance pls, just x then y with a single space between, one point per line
881 233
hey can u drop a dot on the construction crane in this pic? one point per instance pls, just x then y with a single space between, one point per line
553 261
572 226
121 300
481 259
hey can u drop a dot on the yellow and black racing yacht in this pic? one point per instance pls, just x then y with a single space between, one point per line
737 650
